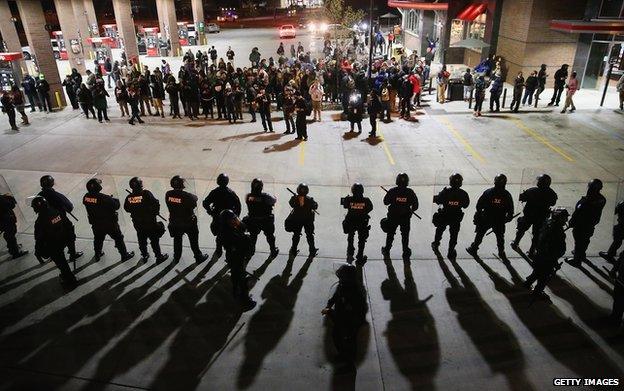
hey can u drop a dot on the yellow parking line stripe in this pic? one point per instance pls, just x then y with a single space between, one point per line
541 139
462 140
385 148
302 153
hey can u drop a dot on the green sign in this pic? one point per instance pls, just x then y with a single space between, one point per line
201 27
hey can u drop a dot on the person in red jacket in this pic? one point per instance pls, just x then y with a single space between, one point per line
414 78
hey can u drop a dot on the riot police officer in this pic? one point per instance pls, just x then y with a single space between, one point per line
301 218
618 234
550 245
51 236
61 204
494 209
182 219
260 216
238 247
8 225
143 208
347 309
218 200
538 201
102 212
356 221
402 202
585 217
452 200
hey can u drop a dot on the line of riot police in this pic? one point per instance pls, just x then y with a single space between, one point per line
54 231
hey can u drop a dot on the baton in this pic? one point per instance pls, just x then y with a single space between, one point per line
295 194
413 212
513 217
157 214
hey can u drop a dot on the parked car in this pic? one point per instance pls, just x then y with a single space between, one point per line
287 31
213 28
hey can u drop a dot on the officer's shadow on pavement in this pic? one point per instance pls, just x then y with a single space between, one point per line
411 332
343 375
41 294
142 340
290 144
566 342
268 325
42 341
494 339
593 315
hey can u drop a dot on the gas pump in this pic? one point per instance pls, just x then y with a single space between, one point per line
58 45
192 34
110 30
10 70
151 41
102 49
183 33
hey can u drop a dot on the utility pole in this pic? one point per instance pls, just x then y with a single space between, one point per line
370 38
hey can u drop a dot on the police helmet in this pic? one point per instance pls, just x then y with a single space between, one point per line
256 186
46 181
357 190
456 180
94 185
303 189
402 180
38 204
543 181
346 273
177 182
227 216
136 184
595 185
223 180
560 215
500 181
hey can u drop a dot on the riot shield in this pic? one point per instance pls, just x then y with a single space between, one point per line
11 204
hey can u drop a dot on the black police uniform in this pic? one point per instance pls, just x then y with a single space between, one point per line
452 200
260 218
356 221
585 217
347 310
238 246
401 201
538 202
8 223
182 220
300 120
302 218
51 237
549 247
618 232
64 206
494 209
143 208
102 212
218 200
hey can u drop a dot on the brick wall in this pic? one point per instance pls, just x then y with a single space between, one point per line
526 40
